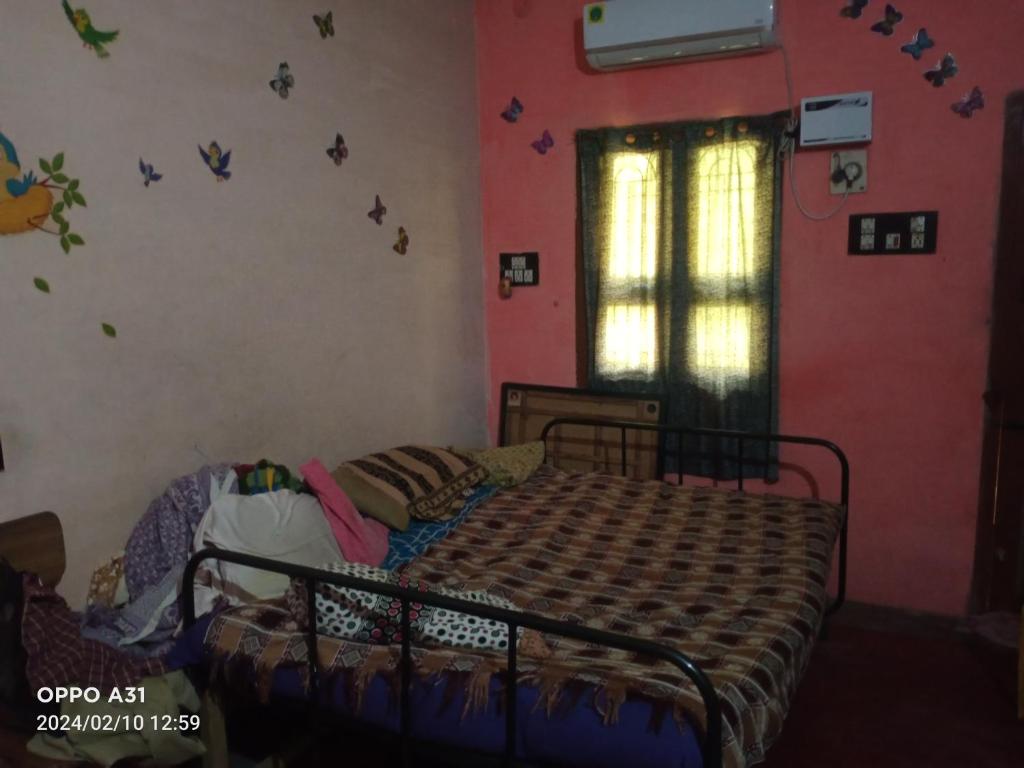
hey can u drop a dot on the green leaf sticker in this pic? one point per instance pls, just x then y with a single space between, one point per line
67 199
57 208
77 197
108 329
64 227
76 239
58 161
57 218
45 166
41 284
60 178
73 185
65 245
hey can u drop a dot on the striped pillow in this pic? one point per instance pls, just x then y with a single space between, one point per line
409 481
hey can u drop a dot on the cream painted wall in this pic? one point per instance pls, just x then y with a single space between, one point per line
263 316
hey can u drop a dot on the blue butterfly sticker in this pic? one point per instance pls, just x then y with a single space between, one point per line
148 174
515 109
919 44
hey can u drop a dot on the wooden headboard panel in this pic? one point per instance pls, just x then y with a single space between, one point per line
36 544
526 408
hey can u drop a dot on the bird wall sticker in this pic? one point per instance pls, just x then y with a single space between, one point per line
27 204
216 160
148 174
91 37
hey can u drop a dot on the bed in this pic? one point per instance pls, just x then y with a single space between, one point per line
676 621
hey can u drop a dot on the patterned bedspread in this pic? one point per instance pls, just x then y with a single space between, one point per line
735 581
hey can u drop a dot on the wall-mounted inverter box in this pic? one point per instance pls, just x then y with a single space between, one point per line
830 120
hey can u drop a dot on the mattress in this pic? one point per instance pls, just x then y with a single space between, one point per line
735 581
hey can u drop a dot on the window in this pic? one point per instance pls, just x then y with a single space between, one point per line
678 228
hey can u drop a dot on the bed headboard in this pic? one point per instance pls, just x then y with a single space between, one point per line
526 408
36 544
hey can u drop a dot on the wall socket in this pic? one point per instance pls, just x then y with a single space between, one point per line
855 163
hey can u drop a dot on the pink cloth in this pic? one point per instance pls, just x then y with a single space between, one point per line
361 539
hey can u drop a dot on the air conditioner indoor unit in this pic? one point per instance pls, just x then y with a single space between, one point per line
633 33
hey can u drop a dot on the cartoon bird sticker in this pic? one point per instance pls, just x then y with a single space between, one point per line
91 37
217 160
148 173
13 183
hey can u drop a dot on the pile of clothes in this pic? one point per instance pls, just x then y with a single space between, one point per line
134 609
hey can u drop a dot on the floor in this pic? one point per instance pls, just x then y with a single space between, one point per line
903 696
883 690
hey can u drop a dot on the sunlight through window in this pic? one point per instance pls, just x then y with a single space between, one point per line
723 250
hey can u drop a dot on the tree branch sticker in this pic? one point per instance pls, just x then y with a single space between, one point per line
91 37
27 203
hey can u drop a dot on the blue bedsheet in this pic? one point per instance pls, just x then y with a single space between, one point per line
573 737
405 545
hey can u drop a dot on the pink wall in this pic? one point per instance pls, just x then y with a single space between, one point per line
884 355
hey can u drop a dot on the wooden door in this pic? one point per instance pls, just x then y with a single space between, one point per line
999 556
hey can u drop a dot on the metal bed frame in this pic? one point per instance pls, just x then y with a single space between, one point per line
711 744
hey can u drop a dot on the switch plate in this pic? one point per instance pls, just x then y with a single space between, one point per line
891 233
853 160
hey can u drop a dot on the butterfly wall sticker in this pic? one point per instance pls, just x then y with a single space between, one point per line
943 71
339 151
544 143
284 80
377 214
515 109
888 25
854 9
919 44
325 24
402 244
970 102
148 174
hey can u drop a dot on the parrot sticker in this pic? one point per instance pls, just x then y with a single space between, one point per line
91 37
27 204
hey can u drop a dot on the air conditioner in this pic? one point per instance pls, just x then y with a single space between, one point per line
633 33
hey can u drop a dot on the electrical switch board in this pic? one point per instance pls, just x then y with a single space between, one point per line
884 233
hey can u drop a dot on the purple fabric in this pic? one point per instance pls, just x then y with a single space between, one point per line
154 559
576 737
162 539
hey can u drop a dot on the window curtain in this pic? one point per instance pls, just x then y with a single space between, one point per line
679 231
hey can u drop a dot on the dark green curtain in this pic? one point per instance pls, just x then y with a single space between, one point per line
680 227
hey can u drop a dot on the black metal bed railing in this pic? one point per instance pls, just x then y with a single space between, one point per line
741 438
711 745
